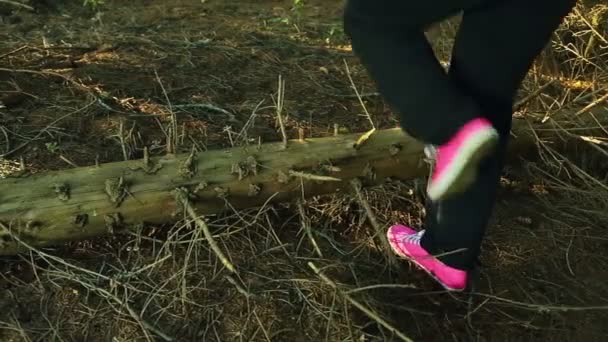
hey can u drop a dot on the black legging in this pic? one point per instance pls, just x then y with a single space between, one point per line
495 47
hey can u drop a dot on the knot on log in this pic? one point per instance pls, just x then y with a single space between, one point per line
5 236
188 168
182 196
245 168
116 189
182 200
81 220
114 222
254 190
62 191
394 149
148 166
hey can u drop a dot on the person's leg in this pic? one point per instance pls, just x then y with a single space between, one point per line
494 50
491 57
388 38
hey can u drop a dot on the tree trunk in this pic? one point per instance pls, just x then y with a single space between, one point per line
55 207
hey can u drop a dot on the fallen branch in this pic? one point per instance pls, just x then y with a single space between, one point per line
17 4
52 208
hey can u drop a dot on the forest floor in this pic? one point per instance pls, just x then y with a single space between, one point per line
80 85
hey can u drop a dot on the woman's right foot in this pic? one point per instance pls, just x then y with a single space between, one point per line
456 162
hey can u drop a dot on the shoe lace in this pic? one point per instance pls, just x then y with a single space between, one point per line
413 238
430 152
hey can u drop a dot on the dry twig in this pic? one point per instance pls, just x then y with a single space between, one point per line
44 130
356 184
146 327
358 305
280 103
306 226
172 138
182 197
352 83
17 4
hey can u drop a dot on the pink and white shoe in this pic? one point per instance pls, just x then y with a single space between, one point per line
405 242
456 162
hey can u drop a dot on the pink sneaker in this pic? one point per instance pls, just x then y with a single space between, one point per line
406 243
456 162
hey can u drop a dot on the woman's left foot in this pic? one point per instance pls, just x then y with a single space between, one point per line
405 242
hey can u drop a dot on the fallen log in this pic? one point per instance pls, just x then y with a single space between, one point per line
55 207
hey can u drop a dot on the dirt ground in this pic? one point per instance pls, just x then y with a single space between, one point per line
80 85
